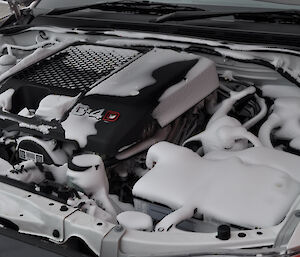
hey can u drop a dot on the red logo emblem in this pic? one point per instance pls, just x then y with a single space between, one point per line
111 116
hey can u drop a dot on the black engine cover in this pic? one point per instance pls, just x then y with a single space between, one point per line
114 92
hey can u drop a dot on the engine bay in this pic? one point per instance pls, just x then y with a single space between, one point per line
157 134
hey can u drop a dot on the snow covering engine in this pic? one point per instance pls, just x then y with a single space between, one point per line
155 139
100 99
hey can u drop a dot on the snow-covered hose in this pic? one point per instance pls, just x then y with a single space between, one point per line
28 48
266 129
263 112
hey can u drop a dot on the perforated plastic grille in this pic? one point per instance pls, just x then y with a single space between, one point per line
78 67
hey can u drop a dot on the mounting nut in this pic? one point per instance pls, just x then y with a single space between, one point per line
118 228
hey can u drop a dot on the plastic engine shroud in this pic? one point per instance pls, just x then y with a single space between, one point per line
105 95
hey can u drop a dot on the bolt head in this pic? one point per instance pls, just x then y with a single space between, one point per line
56 233
118 228
64 208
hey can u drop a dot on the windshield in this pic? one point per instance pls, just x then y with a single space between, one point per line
272 4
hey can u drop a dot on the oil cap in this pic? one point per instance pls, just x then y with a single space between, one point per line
224 232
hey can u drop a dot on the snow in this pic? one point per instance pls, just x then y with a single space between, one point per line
45 129
286 117
59 172
90 207
36 46
4 166
133 78
93 180
31 175
225 132
58 156
8 60
25 112
55 106
276 91
295 143
279 57
232 190
234 54
78 128
87 160
252 187
27 172
144 37
200 81
135 220
276 159
287 63
263 112
139 42
6 99
54 29
189 40
38 55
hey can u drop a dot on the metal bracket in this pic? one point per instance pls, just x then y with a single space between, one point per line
288 229
111 242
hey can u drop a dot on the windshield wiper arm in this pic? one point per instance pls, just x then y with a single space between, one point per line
287 15
143 7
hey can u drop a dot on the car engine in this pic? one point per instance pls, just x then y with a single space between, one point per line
157 134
